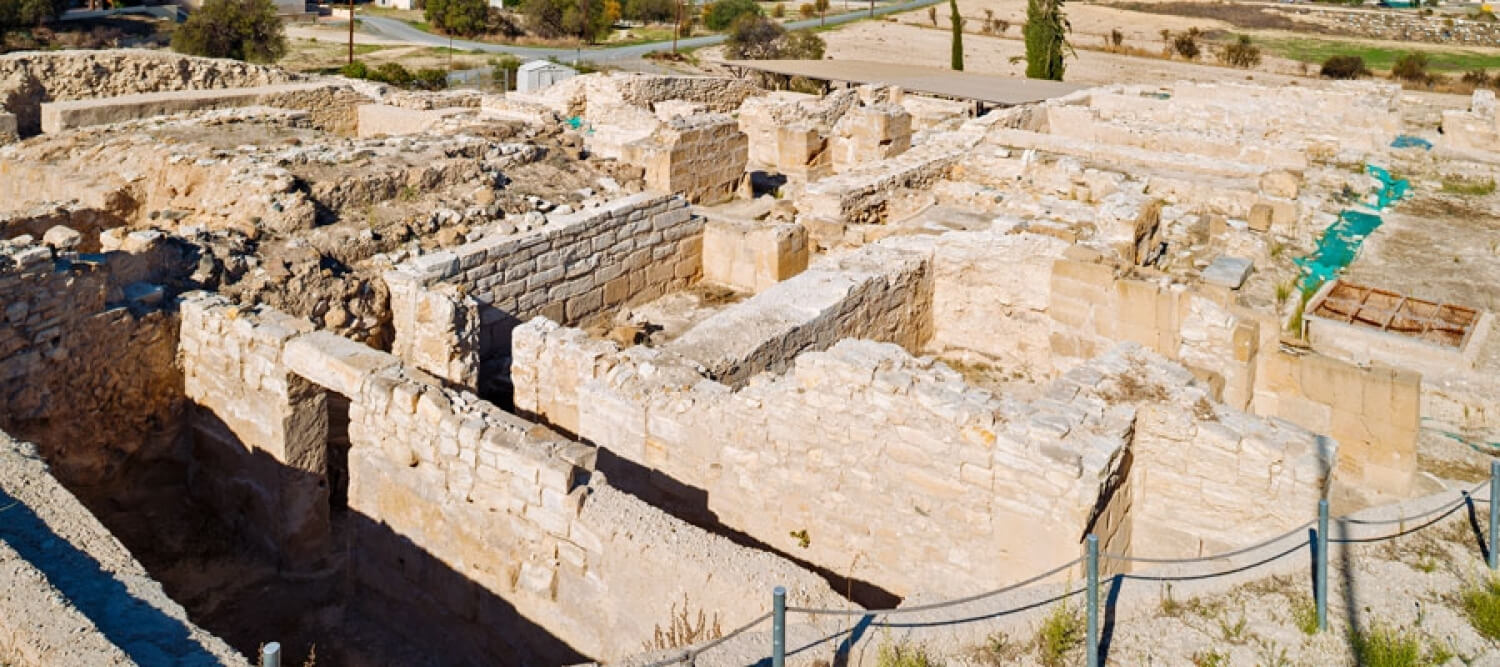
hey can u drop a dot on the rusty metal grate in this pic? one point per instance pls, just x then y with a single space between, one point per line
1443 324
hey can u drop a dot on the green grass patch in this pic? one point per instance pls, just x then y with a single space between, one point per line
1481 604
1305 614
904 655
1315 51
1384 646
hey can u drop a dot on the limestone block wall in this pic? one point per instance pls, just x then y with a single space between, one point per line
990 294
1207 479
883 459
1091 307
260 431
467 521
751 256
378 119
1373 412
882 292
439 328
860 195
73 594
869 133
700 157
59 116
1084 124
575 269
74 354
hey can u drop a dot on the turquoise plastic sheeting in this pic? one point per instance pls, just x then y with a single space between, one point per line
1408 141
1340 243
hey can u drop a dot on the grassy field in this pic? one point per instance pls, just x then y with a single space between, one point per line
1315 51
305 55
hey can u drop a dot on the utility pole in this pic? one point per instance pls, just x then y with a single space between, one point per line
677 28
351 32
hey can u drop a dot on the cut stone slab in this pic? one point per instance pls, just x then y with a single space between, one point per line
1229 272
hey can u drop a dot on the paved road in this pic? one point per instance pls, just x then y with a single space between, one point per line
397 29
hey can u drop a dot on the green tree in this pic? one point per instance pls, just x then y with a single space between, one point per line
238 29
754 37
1046 34
27 13
655 11
724 13
458 17
585 19
957 57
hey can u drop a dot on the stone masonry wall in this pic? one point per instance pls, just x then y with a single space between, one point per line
701 157
260 431
28 78
885 460
882 292
465 520
1374 413
74 354
575 269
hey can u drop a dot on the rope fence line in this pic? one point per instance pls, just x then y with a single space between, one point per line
1319 543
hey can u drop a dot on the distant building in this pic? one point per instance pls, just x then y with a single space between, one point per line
397 4
539 74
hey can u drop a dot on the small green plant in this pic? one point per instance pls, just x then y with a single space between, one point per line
1473 188
1284 291
1233 633
1382 646
355 70
1210 659
1170 607
408 194
1481 604
1061 632
998 650
1305 614
904 655
802 539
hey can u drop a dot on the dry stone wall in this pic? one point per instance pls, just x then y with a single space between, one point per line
574 269
876 455
29 78
700 157
260 431
882 292
75 354
466 521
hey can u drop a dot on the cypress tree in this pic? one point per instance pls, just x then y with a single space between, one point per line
1046 39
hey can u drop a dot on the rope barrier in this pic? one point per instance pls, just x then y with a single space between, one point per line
1432 516
1406 531
1202 559
936 605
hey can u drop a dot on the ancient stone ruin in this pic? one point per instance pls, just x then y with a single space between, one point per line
457 378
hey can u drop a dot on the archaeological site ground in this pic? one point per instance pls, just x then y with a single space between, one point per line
581 375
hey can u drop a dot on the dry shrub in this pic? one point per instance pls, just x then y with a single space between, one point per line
1344 67
684 629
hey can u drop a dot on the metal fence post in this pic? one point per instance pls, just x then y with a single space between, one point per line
1320 577
270 655
1091 629
1494 512
778 627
